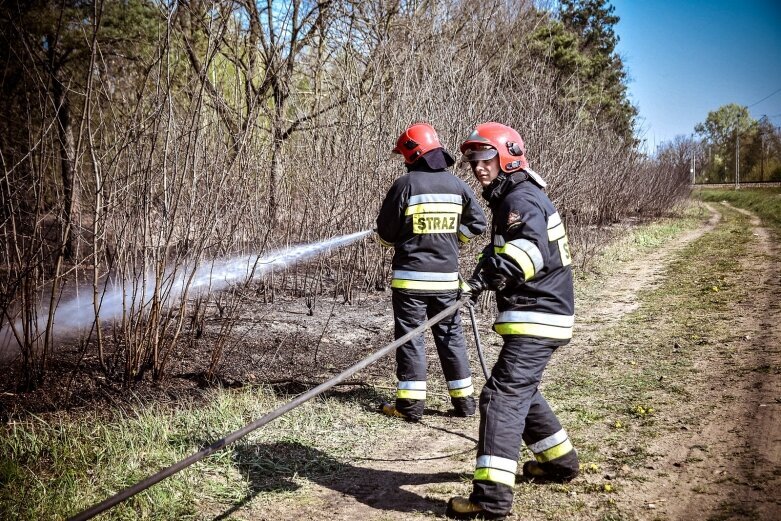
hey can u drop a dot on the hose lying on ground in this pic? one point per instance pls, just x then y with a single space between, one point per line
276 413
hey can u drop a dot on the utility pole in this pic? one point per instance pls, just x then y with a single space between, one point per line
762 159
737 159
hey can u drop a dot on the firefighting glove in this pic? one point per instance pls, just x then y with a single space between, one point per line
491 274
476 287
495 281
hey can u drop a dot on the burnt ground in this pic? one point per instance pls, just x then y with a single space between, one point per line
280 344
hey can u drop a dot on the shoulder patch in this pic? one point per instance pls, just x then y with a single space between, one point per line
513 217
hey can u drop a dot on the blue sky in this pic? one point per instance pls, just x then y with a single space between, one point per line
690 57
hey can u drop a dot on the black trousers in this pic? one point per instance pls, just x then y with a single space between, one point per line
513 409
409 311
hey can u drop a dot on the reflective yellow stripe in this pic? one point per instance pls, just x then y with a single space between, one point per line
465 234
437 285
539 330
536 317
551 441
520 257
495 475
554 452
566 258
433 208
556 233
410 394
460 393
435 198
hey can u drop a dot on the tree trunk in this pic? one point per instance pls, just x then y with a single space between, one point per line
67 152
277 141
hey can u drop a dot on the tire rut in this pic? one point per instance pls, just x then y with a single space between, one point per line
729 467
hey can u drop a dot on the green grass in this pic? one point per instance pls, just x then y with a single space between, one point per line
53 467
643 346
764 202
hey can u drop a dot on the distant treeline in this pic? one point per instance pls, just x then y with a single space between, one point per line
729 145
139 137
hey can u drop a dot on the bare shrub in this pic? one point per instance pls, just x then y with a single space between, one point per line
237 127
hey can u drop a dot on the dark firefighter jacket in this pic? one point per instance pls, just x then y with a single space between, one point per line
424 217
528 261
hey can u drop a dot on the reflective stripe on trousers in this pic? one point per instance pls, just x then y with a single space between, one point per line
552 447
535 323
460 388
511 408
411 390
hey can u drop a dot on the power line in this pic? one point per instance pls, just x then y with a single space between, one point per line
763 99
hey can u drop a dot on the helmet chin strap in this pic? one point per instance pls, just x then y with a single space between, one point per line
495 186
501 181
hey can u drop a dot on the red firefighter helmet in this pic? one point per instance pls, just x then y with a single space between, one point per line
416 141
488 139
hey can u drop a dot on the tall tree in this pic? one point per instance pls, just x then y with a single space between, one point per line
726 129
279 50
48 45
760 153
581 45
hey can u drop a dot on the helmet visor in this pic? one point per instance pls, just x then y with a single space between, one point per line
480 153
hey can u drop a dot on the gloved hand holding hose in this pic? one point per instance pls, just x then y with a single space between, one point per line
476 287
483 279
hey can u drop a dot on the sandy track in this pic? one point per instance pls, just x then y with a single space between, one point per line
618 295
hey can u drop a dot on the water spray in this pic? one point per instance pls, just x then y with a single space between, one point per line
78 314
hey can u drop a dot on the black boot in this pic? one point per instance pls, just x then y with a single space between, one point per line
542 473
462 508
463 407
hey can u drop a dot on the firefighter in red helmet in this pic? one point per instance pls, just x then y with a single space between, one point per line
527 264
426 214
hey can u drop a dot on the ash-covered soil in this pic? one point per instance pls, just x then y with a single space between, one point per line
284 344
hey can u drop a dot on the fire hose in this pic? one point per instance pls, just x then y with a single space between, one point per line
276 413
478 346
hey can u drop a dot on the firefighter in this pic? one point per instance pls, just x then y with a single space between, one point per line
527 264
425 216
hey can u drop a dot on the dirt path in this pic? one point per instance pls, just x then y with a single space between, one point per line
728 467
618 295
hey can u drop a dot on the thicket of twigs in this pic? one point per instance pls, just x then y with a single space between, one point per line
145 137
